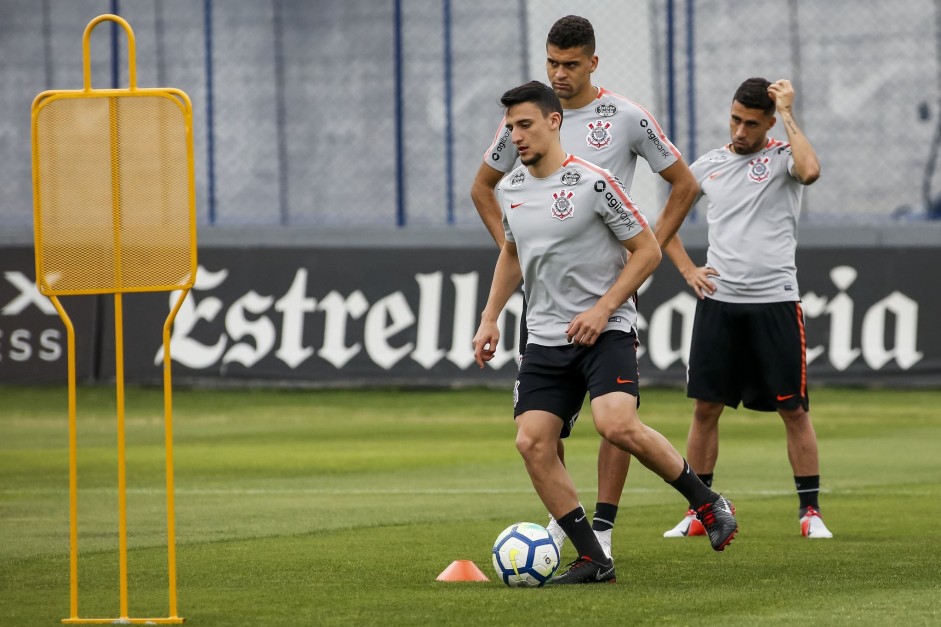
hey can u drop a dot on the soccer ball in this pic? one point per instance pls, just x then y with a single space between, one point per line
525 556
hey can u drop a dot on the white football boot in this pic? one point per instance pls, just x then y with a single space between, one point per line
812 525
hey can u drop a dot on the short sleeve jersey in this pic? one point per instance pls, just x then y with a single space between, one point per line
753 208
568 229
610 132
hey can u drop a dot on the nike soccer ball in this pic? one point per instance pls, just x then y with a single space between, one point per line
525 556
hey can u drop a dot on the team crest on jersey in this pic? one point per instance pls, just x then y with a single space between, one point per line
571 177
517 179
598 135
562 206
606 109
758 169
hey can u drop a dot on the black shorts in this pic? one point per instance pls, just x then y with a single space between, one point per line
749 353
555 378
524 330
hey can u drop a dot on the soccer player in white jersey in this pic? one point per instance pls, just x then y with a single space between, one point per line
568 228
611 131
748 343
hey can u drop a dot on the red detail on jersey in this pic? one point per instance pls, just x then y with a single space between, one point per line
515 205
620 380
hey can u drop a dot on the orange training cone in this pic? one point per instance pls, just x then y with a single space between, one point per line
462 570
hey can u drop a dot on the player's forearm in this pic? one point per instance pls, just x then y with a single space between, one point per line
678 255
483 193
485 200
806 164
640 265
682 196
506 278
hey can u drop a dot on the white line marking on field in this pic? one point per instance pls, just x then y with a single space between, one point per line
405 492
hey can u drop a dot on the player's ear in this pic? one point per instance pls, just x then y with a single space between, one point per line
555 120
594 64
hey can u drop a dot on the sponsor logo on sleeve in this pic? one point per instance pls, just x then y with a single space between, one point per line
655 140
501 145
615 203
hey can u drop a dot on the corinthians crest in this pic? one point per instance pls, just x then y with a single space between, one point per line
598 135
758 169
562 205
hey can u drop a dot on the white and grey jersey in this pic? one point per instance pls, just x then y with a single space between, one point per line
753 208
568 229
610 132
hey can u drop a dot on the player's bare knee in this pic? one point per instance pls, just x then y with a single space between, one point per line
624 431
531 446
793 416
707 411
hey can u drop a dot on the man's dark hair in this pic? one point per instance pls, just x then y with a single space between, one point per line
536 92
572 31
753 94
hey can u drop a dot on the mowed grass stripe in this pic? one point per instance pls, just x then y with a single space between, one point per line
341 507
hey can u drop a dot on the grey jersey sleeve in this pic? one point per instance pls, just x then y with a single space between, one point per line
650 141
502 154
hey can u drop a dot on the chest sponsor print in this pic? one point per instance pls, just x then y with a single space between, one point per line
599 135
606 109
571 177
562 206
758 169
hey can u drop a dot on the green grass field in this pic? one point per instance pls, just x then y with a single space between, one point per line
341 508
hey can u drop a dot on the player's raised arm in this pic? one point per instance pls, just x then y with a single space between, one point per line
806 165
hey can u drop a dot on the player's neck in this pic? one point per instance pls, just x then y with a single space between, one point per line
582 98
551 162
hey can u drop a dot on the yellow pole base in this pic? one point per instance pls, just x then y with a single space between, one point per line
172 620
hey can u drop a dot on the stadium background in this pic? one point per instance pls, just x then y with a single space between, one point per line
336 142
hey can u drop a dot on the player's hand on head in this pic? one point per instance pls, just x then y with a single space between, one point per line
782 92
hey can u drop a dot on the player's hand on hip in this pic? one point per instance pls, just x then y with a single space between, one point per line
698 280
782 92
485 342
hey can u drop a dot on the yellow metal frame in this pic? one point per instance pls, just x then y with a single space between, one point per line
182 100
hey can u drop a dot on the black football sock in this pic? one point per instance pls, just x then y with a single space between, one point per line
706 478
605 513
691 486
808 491
576 527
